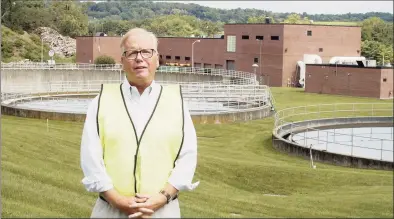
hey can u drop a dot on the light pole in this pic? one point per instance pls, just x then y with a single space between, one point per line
42 51
260 55
197 41
260 42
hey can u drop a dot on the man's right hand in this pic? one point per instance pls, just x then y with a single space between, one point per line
123 204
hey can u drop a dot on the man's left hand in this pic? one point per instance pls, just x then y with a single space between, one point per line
154 202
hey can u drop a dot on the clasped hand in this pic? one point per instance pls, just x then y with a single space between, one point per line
142 206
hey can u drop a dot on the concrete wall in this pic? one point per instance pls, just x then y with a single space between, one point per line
348 80
36 78
284 145
386 84
197 119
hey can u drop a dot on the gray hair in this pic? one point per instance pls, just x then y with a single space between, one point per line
136 32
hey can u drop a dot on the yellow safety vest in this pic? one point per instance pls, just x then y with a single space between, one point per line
140 165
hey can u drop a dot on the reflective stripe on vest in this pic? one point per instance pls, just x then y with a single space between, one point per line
140 165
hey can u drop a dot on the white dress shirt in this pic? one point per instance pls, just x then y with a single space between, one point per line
140 108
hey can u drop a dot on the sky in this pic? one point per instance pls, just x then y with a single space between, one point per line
310 7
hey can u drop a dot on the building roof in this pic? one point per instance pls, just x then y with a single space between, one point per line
352 66
283 24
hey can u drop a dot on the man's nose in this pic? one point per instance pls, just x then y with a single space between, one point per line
139 57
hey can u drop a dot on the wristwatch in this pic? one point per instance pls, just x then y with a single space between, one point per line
168 196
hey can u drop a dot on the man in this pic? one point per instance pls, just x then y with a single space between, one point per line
139 146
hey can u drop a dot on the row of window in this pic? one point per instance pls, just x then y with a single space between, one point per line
231 41
176 57
246 37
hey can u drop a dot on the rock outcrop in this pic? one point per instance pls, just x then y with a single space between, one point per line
63 46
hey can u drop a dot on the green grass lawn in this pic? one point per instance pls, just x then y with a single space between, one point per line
238 168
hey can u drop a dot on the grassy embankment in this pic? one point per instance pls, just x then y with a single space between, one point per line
238 168
20 46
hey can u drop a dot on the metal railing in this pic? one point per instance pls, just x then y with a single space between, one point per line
327 140
229 76
202 98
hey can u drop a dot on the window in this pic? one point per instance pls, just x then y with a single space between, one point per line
256 60
245 37
274 37
187 58
177 58
384 79
168 57
231 43
161 56
206 65
309 33
259 37
320 49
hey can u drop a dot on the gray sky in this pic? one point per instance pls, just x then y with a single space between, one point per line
310 7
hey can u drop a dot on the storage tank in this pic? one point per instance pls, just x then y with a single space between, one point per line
301 67
312 59
347 60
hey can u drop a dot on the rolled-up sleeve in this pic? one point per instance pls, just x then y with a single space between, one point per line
95 178
182 175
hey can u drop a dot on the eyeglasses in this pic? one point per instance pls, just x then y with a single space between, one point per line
145 53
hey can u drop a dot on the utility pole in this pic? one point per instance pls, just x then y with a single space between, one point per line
193 53
42 51
260 66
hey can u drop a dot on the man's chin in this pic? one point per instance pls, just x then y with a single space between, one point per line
141 73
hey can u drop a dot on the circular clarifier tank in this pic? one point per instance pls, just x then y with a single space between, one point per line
364 142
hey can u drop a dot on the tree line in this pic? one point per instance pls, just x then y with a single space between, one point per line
137 10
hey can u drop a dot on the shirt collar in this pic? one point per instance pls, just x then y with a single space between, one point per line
134 89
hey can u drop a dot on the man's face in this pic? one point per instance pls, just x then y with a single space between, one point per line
140 59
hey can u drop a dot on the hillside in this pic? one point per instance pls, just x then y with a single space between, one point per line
19 46
137 10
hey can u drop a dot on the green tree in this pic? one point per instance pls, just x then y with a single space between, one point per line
369 27
174 25
69 18
260 19
377 51
114 11
296 19
210 28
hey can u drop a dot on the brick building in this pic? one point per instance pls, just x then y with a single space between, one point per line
349 80
275 48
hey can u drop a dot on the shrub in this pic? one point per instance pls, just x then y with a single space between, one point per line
6 49
18 43
104 59
32 53
36 39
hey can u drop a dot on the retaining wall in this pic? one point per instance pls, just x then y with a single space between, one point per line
292 148
197 119
10 77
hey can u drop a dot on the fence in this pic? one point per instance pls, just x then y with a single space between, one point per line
337 140
239 77
201 98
